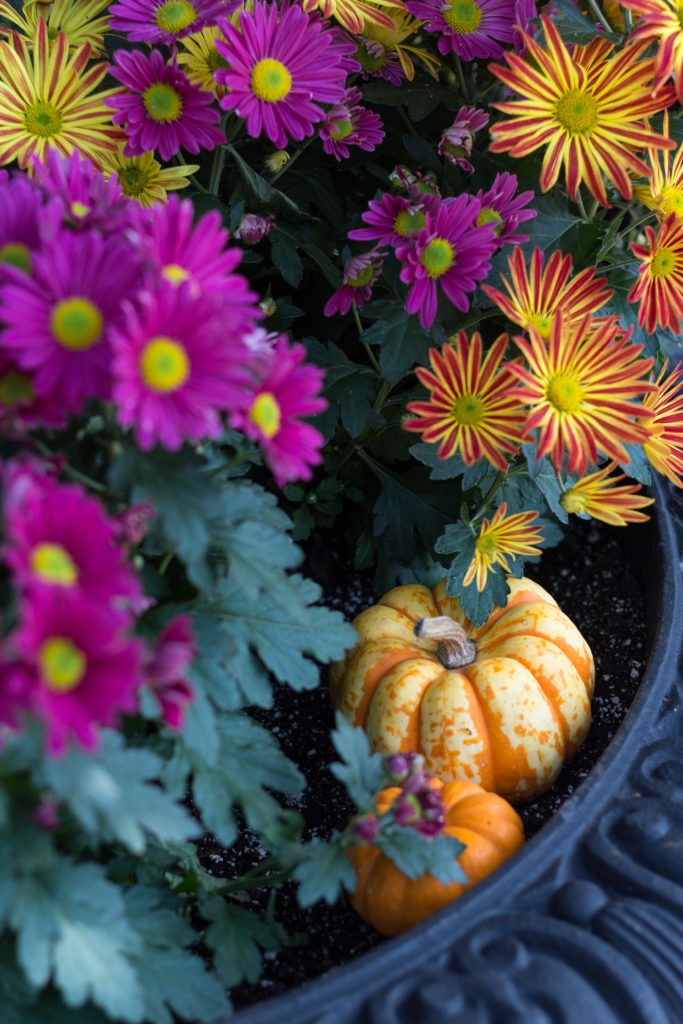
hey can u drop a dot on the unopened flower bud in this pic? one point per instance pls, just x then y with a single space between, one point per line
400 766
407 810
366 829
268 306
252 228
276 161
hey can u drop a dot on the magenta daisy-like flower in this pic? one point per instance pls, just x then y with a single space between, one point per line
177 366
163 21
178 250
473 29
23 218
166 670
85 198
162 109
392 220
456 142
451 249
57 535
282 65
349 123
86 670
505 211
289 390
58 320
360 273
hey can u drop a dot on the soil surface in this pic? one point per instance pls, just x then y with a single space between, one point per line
592 578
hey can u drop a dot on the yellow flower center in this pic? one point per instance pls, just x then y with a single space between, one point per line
407 222
437 257
175 15
542 322
265 413
468 409
577 111
270 80
62 664
663 263
362 278
16 388
463 16
565 393
133 181
174 273
42 119
574 502
53 563
16 255
486 543
79 209
671 200
76 323
342 129
162 102
490 216
164 364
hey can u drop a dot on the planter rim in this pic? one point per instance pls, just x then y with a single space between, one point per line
559 858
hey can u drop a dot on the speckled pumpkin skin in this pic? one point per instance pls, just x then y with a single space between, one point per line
488 826
507 722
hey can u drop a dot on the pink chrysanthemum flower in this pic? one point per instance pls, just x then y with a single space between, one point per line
360 273
58 320
281 67
178 250
23 217
525 13
289 390
471 28
451 249
392 220
505 211
165 670
163 21
349 123
57 535
456 142
85 198
176 367
86 671
162 110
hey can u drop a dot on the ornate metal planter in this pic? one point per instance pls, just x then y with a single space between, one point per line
585 925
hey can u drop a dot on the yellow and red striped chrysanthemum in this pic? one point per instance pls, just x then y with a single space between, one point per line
353 14
588 108
606 498
499 538
664 407
469 409
534 296
84 21
659 21
659 288
664 190
581 384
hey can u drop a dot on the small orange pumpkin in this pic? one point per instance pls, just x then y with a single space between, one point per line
489 827
502 705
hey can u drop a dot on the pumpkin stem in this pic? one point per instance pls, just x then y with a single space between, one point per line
456 649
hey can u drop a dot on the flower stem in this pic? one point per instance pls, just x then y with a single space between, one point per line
70 470
486 500
599 16
294 156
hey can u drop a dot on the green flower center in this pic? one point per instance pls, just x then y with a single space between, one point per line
270 80
362 278
577 111
565 393
406 222
663 263
42 119
164 365
468 409
214 60
342 129
490 216
162 102
16 255
16 388
62 664
437 257
76 323
265 413
133 181
175 15
462 16
53 563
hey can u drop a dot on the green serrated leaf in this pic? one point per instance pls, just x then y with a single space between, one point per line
408 507
574 27
236 936
332 273
404 343
638 467
416 855
441 469
265 192
323 872
361 771
285 257
422 152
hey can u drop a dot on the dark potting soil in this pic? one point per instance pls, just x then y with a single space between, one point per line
592 578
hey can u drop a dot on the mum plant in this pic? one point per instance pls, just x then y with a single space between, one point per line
396 281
